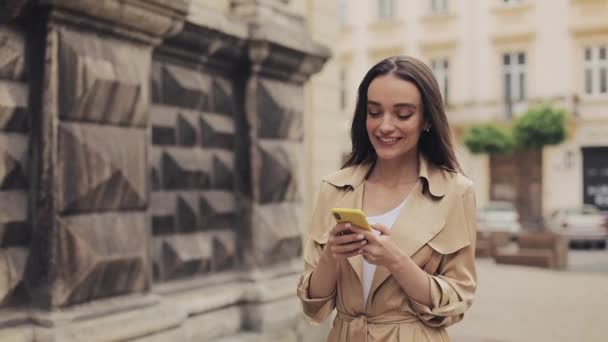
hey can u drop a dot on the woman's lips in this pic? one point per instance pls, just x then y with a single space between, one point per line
388 140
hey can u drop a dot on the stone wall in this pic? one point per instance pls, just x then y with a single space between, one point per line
15 233
151 152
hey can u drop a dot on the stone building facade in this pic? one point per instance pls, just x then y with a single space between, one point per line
150 181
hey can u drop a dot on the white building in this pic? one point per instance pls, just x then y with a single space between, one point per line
485 51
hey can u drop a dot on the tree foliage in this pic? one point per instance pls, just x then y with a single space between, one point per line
540 126
489 138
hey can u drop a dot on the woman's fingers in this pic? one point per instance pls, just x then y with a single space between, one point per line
347 238
347 248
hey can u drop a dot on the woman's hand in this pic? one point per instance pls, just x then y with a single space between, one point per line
343 242
380 248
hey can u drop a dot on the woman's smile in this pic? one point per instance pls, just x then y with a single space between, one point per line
387 141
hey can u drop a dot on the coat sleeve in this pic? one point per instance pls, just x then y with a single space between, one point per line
316 309
453 287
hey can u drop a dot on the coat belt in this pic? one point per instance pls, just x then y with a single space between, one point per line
357 325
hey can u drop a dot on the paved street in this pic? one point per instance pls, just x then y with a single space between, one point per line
531 304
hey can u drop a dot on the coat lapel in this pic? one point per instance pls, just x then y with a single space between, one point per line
419 221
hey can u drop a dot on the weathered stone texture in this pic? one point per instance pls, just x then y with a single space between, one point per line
101 168
13 107
190 254
13 165
15 231
276 233
102 80
278 165
12 54
101 255
279 110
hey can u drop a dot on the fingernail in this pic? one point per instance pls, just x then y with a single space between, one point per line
363 242
360 236
360 251
347 225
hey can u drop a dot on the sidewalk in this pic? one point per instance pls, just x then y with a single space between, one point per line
525 304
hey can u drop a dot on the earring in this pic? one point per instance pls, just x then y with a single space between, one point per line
427 129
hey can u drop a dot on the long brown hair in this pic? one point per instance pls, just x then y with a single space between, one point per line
436 144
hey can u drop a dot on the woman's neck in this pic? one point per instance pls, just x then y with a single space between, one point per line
397 171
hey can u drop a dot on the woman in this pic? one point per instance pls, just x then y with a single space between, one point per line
415 274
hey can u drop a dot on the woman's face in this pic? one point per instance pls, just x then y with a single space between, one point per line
394 117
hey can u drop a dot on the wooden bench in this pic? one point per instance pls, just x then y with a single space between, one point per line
540 249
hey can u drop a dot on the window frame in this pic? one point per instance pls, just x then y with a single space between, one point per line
441 70
595 70
515 76
439 6
385 9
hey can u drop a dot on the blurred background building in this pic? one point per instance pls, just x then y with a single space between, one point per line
494 60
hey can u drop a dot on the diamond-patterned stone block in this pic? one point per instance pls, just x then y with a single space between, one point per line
12 264
217 210
13 107
102 80
224 249
276 232
162 120
162 211
188 131
182 255
99 256
279 110
14 230
223 170
276 171
186 169
13 165
217 131
101 168
12 53
223 96
182 87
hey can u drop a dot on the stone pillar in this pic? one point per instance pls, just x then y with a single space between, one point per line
91 62
14 131
282 58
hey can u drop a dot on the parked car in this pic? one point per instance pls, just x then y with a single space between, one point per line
499 216
584 225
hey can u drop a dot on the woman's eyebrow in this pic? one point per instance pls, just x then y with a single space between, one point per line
406 105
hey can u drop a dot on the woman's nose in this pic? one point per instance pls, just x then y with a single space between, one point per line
386 125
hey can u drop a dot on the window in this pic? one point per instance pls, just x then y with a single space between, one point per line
514 66
596 70
343 12
386 9
439 6
441 69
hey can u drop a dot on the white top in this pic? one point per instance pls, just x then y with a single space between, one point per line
387 219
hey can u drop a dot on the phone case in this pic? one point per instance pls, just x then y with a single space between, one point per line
354 216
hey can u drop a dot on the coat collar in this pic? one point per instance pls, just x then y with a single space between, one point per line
353 176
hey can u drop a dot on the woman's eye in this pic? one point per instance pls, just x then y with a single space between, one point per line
373 112
404 116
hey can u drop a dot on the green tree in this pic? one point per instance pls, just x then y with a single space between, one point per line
540 126
489 138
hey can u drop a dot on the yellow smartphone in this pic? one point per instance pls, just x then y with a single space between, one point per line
354 216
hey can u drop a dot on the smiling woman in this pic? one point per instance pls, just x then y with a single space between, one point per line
415 273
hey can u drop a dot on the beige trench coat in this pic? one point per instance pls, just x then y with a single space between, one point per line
436 228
